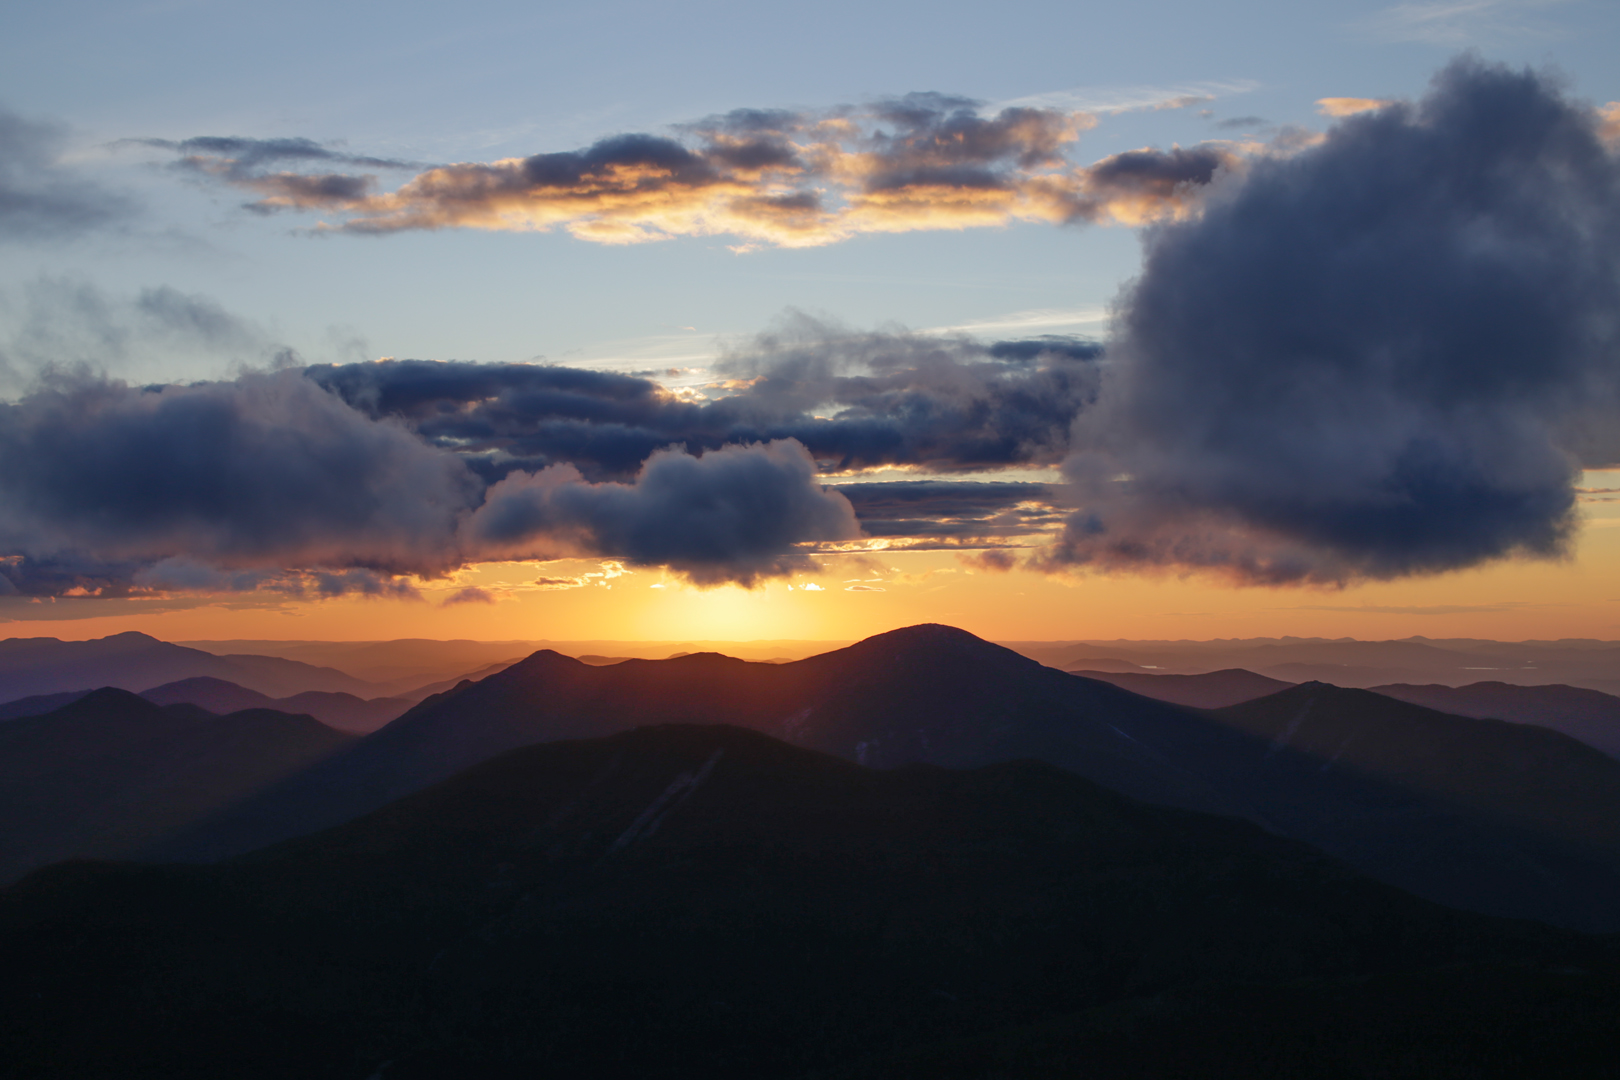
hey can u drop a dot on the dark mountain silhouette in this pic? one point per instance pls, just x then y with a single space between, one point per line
694 901
342 711
110 774
1588 715
1213 690
132 661
925 694
1510 819
936 695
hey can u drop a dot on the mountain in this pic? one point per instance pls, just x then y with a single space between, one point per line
940 696
1510 819
929 694
130 661
700 901
1346 662
110 774
205 692
1213 690
344 712
1588 715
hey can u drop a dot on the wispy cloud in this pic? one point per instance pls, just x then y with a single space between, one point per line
1117 99
1459 23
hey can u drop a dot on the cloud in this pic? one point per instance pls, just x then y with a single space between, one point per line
471 594
728 515
270 483
264 471
952 509
1389 354
993 560
1459 23
40 197
53 322
794 179
853 399
1348 106
245 162
863 588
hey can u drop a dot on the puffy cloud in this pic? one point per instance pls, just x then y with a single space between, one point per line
732 514
271 483
40 198
1388 354
268 470
923 161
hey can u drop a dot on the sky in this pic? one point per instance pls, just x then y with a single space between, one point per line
635 321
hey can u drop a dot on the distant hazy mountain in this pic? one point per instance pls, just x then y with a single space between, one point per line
936 695
1588 715
1346 662
112 773
1213 690
133 661
707 902
342 711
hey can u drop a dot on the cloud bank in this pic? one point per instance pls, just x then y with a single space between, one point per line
855 400
1389 354
794 179
270 481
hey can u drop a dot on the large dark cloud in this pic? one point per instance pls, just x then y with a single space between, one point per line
41 199
1387 354
270 482
268 470
855 400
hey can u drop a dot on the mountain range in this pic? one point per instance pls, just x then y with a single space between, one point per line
1373 781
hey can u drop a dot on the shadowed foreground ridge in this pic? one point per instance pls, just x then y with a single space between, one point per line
707 901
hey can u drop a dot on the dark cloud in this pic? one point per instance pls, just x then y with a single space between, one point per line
1387 354
472 594
40 198
732 514
266 470
855 400
963 509
271 483
247 163
1238 123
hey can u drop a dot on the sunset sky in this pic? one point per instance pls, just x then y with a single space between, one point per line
721 321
